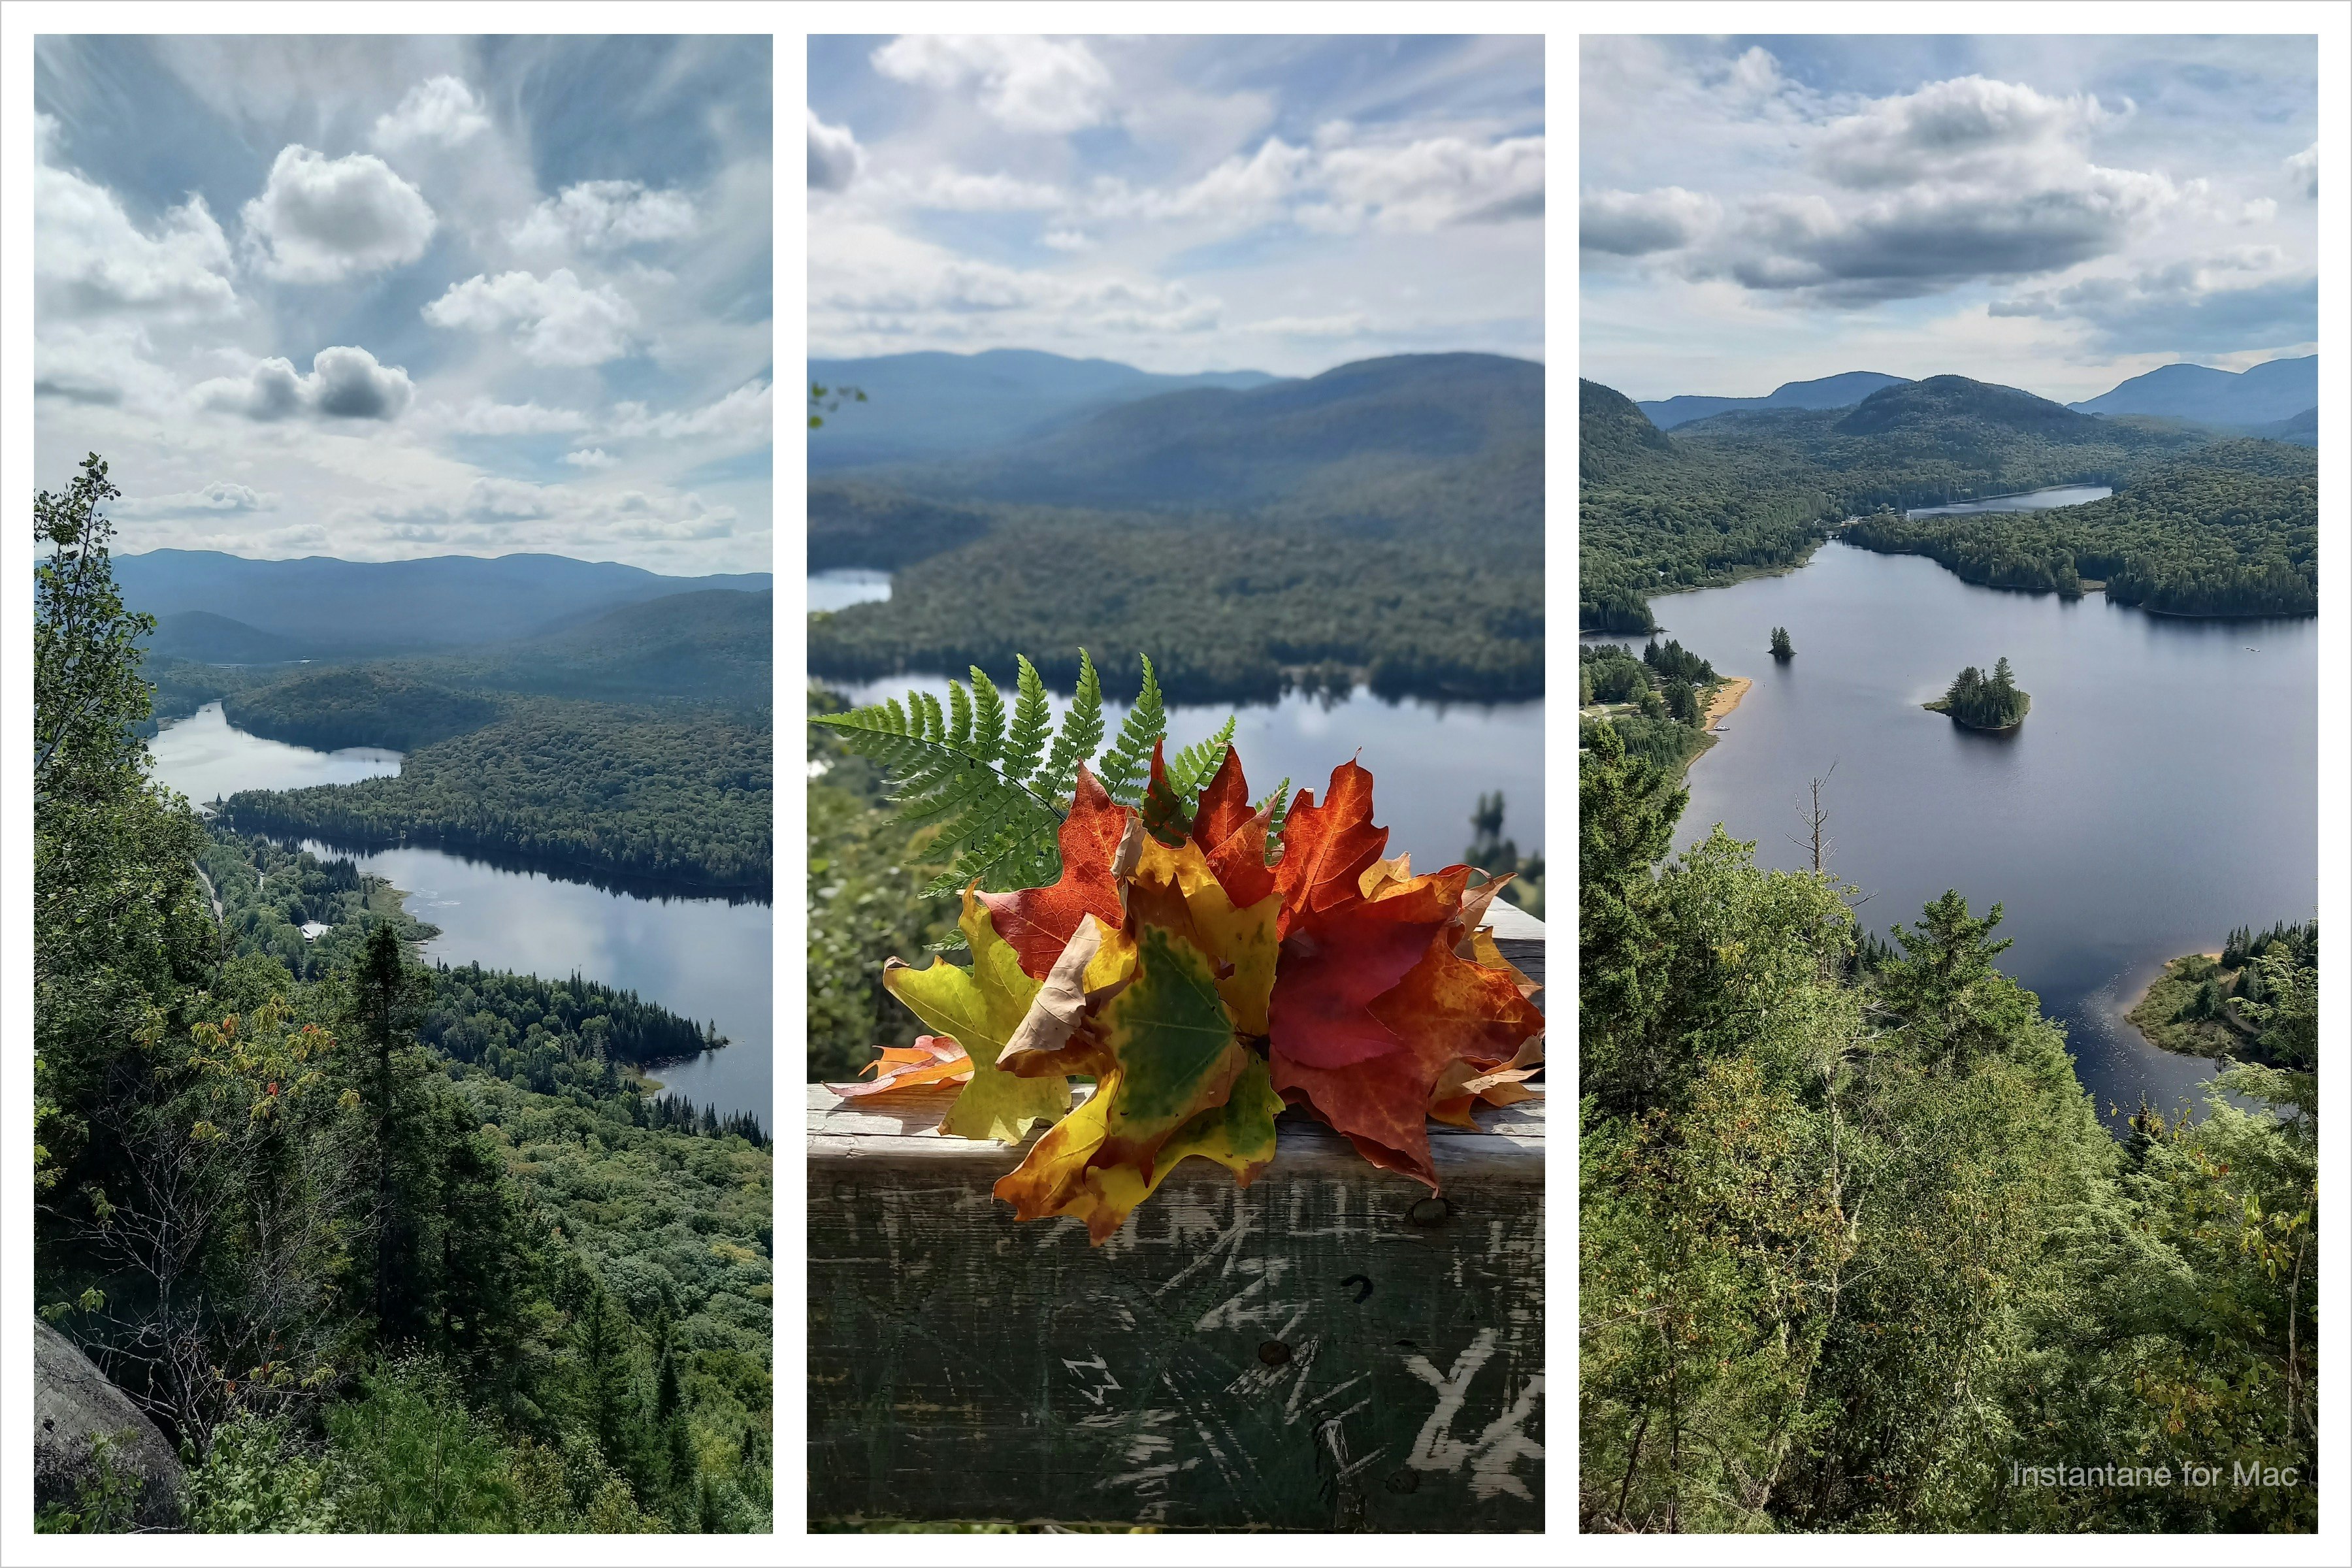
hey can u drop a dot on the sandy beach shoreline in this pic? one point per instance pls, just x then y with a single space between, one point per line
1726 698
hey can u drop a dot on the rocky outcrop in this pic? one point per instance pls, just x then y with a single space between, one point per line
81 1423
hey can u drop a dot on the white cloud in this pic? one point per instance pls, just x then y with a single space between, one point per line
1347 326
2219 302
561 322
953 190
483 418
90 260
2303 172
605 214
344 383
1966 179
1637 223
321 219
1066 239
748 410
834 155
1030 84
592 457
1443 180
442 111
220 497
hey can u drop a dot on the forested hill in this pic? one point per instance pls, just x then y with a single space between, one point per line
2228 530
1219 449
1381 523
1613 433
1829 391
2265 393
320 607
922 407
1736 494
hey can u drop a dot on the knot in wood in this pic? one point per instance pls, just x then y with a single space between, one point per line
1273 1353
1430 1211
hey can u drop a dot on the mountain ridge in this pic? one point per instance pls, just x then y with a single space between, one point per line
1843 390
2269 393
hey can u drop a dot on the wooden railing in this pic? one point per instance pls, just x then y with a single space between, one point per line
1330 1350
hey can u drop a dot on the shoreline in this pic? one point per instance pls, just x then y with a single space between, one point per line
1726 699
2124 1011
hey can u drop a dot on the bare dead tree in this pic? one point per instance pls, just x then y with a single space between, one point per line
1816 820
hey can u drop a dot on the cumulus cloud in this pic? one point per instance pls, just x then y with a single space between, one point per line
2220 303
2303 172
557 319
895 289
1638 222
483 418
591 458
344 383
321 219
440 111
605 214
1962 180
953 190
1066 239
834 155
1043 85
1415 186
90 260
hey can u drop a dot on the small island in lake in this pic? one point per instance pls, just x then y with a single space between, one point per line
1982 701
1782 647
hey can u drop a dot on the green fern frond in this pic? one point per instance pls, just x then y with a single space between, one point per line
987 718
1033 721
945 772
1280 801
1082 731
1127 765
1190 770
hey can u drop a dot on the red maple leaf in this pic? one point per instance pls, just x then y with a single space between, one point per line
1040 921
1232 834
1325 849
1337 964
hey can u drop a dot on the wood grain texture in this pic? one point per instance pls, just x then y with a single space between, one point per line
1312 1354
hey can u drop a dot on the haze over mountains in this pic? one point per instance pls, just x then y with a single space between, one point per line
2277 399
921 407
218 608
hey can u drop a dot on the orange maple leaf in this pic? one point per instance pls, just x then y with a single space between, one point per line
1326 849
931 1059
1040 921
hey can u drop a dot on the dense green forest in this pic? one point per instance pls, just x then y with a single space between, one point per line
631 744
674 795
2233 531
363 1283
1657 704
2197 527
1236 608
1856 1252
1984 701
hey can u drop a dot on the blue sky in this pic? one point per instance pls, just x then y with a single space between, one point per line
1181 204
383 298
2056 214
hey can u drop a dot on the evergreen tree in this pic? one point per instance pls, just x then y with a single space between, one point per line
1782 647
1627 808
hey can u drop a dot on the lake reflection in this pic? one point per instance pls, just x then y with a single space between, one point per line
2031 501
704 958
1429 761
2163 790
843 586
204 758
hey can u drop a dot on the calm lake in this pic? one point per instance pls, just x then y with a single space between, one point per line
843 586
1429 762
2163 790
704 958
2029 500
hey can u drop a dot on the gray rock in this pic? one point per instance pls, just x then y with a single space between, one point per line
74 1408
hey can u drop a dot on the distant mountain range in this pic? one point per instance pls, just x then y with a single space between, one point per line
2277 390
923 406
227 609
1830 392
1407 419
2278 399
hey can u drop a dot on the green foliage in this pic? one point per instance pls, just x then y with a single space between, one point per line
665 795
998 813
257 1170
1497 855
1782 647
1854 1248
86 685
357 705
105 1500
2231 529
1434 595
